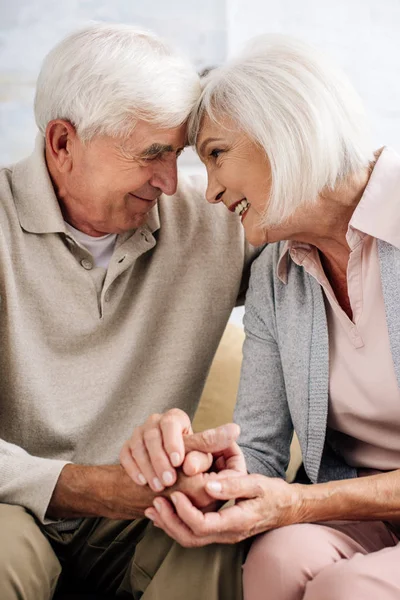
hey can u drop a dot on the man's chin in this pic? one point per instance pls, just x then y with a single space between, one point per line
140 219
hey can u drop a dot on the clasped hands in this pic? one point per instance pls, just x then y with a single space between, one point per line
195 474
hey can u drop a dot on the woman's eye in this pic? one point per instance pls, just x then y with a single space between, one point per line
215 153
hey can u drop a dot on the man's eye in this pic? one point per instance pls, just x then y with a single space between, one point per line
215 153
150 158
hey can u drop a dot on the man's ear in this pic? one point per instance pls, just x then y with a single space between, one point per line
61 137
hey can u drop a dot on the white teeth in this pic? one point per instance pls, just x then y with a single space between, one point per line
242 207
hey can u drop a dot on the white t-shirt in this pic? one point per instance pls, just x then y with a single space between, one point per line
101 248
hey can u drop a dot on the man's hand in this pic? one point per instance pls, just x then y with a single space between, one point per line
98 491
262 503
161 444
107 491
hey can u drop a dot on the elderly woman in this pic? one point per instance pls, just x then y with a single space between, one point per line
283 137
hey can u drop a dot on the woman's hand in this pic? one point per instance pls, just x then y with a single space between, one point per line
262 503
165 442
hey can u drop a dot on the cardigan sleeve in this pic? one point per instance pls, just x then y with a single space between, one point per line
262 410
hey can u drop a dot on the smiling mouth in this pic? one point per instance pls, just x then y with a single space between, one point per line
144 199
240 207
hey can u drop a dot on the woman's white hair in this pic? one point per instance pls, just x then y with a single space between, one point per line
299 108
106 77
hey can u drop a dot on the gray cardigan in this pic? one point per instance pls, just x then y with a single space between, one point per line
285 372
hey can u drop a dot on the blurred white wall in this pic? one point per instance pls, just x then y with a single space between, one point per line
363 36
30 28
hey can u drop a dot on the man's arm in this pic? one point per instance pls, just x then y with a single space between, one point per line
94 491
27 480
107 491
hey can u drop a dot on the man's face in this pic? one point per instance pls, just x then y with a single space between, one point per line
113 183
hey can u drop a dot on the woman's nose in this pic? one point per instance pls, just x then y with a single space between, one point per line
212 197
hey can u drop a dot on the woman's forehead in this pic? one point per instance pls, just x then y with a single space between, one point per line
213 130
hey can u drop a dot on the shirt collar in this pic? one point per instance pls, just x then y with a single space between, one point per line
377 214
37 204
282 267
35 199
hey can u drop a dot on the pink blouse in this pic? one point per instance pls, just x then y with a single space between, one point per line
364 398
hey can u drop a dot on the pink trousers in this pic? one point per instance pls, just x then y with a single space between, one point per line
329 561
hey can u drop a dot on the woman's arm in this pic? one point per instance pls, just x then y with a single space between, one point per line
262 410
376 497
264 503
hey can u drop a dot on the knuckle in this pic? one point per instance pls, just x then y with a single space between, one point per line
136 434
154 419
152 435
200 529
259 485
169 419
175 414
137 447
209 436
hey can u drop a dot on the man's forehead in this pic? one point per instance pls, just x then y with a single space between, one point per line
155 140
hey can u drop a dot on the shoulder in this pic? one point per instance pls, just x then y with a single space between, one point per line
5 179
268 295
6 192
264 268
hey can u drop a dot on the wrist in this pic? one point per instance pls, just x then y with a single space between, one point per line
323 502
81 491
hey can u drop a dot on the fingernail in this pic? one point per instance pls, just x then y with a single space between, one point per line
157 484
157 505
214 486
167 477
175 459
194 463
141 479
148 515
173 498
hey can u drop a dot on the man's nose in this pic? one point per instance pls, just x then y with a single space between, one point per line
165 176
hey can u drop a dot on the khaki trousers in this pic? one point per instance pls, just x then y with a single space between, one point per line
131 559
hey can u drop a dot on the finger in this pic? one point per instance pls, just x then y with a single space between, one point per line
217 526
174 527
141 456
213 440
197 462
152 514
234 459
153 441
228 488
192 516
174 425
129 464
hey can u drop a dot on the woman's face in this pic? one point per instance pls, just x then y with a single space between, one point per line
239 175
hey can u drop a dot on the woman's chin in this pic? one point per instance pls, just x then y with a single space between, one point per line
256 238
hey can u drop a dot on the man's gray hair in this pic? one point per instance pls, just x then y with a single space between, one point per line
299 108
106 77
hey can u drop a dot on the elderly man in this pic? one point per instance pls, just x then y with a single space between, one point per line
113 300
